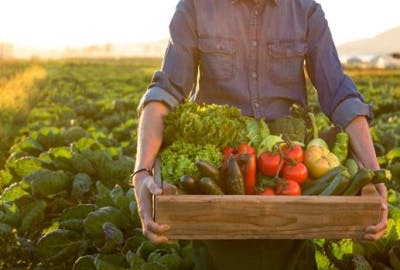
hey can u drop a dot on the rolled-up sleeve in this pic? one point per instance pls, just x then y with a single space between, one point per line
178 74
338 96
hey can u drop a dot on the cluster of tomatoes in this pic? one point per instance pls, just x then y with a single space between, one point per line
286 168
283 170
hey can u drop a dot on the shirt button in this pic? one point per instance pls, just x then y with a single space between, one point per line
256 105
254 43
254 75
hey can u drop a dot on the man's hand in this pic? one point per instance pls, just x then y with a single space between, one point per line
375 232
145 187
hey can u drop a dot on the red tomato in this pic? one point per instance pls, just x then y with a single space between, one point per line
288 187
294 152
267 191
268 163
245 148
228 150
297 172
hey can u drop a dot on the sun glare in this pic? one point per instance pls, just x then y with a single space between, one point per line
56 24
48 24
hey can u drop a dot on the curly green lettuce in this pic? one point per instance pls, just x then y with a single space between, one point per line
179 159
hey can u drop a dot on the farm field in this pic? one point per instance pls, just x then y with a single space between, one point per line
67 147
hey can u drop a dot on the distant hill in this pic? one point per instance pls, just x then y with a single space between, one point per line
382 44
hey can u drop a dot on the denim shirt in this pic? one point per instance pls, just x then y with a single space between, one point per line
253 55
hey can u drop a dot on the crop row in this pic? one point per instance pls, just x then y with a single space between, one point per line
66 201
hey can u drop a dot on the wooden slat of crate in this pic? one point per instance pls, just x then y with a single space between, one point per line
266 217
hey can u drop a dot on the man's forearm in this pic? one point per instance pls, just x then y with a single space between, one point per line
361 142
150 133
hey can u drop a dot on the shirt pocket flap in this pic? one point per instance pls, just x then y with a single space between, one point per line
287 49
214 45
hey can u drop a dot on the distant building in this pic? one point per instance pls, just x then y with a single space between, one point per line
386 61
354 60
5 50
380 61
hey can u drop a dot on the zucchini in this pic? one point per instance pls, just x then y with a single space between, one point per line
189 184
382 176
206 169
359 180
342 187
333 185
338 185
314 187
234 181
209 187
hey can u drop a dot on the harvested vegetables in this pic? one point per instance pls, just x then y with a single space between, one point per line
204 124
341 146
180 158
290 127
198 132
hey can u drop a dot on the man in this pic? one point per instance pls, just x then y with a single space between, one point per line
250 54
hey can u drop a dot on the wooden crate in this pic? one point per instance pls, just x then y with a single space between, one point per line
266 217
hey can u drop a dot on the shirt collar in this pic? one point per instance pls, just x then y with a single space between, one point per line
273 1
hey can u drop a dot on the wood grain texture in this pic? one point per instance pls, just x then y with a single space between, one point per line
266 217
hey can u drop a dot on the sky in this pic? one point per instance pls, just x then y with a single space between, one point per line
57 24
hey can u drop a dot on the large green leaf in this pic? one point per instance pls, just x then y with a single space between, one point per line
79 211
84 263
32 215
28 145
9 213
392 154
61 246
119 199
109 262
27 165
14 192
93 223
46 182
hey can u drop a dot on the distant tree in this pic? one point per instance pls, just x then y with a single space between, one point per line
395 55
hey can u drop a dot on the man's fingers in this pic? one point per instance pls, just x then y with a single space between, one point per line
154 232
377 231
377 228
157 228
152 186
374 236
155 238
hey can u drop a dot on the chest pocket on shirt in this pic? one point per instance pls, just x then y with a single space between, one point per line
286 61
217 58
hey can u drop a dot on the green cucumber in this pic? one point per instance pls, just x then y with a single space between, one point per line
359 180
234 181
189 184
209 187
206 169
